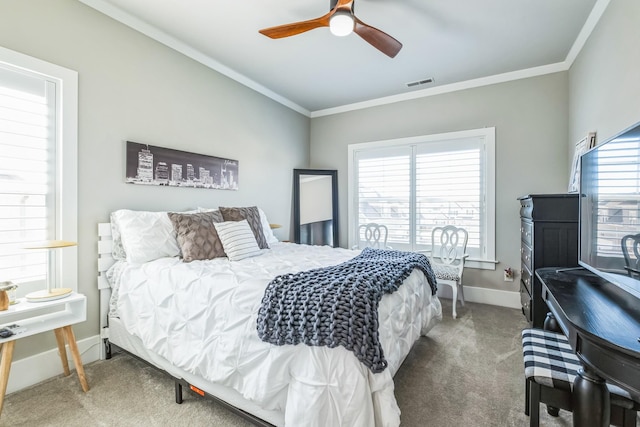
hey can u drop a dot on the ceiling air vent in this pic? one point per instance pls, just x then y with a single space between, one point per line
420 82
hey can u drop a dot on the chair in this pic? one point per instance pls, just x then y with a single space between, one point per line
631 264
372 235
550 367
447 255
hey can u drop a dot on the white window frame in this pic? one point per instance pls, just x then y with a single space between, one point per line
66 194
487 261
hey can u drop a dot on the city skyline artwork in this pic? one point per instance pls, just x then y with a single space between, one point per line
153 165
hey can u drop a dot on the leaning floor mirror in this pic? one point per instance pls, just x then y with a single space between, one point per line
315 207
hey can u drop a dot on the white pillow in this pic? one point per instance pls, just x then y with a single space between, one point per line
146 235
237 239
266 228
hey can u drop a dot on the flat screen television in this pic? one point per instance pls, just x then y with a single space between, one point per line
610 209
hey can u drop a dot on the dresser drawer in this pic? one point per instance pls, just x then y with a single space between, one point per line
525 301
526 278
526 255
526 232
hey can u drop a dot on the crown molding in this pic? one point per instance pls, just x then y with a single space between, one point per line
439 90
175 44
164 38
587 29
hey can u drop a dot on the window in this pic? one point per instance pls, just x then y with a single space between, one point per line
614 181
38 169
414 184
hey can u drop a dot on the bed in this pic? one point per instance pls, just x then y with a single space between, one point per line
197 322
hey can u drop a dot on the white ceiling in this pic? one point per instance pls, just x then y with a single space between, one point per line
455 42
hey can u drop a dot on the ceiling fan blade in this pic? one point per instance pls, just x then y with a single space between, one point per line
344 5
287 30
377 38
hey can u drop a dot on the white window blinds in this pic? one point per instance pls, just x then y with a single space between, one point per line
450 189
414 184
27 172
384 196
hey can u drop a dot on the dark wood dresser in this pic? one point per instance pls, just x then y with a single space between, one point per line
548 238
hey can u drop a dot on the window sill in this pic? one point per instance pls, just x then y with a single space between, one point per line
480 264
476 263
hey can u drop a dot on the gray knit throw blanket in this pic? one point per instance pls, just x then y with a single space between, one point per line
338 305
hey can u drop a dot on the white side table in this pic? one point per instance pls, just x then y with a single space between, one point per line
37 317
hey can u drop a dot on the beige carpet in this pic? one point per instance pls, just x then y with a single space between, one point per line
466 372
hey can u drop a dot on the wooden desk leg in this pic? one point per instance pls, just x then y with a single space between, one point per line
62 350
551 324
77 360
5 366
591 402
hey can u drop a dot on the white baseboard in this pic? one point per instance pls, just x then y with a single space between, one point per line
37 368
485 296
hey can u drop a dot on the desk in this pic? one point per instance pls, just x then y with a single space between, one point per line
602 323
38 317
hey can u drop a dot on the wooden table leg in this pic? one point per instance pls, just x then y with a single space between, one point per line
591 401
62 350
5 366
551 324
77 360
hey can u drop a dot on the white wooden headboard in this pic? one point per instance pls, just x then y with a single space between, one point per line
105 260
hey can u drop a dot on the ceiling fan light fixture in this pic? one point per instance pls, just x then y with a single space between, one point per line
341 24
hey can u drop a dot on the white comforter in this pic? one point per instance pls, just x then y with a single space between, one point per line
201 317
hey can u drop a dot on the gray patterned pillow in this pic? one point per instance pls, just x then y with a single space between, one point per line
197 236
252 215
117 249
445 272
217 216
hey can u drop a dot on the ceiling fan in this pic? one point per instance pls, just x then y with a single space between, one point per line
342 21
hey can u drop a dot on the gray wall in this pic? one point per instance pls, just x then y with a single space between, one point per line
531 120
604 85
537 120
133 88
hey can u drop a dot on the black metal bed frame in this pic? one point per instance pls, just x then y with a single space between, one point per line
181 383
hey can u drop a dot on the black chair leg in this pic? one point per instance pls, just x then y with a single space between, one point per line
629 417
534 404
527 392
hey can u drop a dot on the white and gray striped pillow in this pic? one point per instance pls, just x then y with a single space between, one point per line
237 239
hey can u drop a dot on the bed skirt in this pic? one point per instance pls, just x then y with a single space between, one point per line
119 337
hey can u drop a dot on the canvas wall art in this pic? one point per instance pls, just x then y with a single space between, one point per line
152 165
584 145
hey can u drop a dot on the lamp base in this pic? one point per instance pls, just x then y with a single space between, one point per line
45 295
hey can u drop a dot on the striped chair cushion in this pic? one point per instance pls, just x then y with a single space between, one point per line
550 361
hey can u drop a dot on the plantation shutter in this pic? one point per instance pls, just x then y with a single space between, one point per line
412 188
27 172
384 191
450 189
